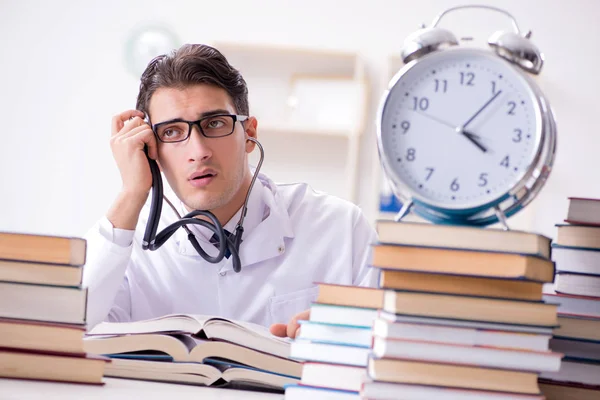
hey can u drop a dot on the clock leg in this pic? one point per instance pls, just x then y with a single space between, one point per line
404 211
501 218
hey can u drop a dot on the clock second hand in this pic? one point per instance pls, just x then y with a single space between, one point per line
473 138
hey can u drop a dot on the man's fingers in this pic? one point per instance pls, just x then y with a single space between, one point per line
141 135
294 327
279 330
118 120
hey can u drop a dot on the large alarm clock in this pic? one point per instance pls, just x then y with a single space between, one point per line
465 136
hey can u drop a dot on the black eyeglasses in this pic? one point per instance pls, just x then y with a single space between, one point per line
213 126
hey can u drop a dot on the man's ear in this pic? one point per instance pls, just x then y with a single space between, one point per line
250 126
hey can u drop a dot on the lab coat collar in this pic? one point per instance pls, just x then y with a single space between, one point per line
266 225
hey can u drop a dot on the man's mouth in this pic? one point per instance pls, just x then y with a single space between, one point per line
202 178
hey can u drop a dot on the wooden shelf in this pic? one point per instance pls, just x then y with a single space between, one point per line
305 101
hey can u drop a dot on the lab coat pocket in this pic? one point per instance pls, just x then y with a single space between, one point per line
285 306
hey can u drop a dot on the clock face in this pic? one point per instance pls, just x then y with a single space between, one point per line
460 128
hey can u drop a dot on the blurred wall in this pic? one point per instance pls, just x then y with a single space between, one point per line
64 77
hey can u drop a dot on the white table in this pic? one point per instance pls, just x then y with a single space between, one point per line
13 389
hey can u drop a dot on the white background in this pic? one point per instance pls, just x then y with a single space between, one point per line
64 76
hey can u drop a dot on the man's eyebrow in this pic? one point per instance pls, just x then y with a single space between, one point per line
219 111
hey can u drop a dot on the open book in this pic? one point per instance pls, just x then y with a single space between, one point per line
144 349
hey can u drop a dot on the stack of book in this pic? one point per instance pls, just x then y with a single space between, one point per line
462 314
43 310
335 343
458 314
195 349
576 252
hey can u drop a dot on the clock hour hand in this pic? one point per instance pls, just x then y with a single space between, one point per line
474 139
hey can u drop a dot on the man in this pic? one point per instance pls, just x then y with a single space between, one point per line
293 236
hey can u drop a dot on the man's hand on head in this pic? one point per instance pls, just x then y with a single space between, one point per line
292 328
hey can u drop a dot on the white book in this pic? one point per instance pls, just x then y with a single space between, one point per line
466 355
461 335
398 391
576 259
343 315
542 330
297 392
575 371
577 284
330 353
331 333
333 376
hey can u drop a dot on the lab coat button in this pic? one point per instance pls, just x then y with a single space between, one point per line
281 249
223 273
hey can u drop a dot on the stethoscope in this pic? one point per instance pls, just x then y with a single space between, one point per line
152 241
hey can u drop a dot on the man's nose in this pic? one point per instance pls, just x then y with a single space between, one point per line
198 145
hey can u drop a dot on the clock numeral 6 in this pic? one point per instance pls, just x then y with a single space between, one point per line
454 186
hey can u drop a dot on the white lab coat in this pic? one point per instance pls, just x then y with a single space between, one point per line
294 237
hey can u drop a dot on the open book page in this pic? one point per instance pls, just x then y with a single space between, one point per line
194 373
243 333
233 353
246 334
185 348
173 323
202 374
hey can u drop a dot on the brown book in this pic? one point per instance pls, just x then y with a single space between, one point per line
582 236
578 327
352 296
52 366
42 248
43 303
41 336
461 285
470 308
568 391
463 262
40 273
463 237
450 375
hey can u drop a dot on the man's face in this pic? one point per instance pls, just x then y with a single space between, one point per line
205 173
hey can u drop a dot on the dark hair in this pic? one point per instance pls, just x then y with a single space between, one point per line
193 64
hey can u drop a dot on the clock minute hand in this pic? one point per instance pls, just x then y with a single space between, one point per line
480 110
